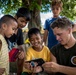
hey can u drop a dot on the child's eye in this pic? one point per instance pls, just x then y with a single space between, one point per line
22 21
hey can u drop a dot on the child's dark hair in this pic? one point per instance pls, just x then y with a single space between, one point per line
63 23
6 19
57 2
23 12
33 31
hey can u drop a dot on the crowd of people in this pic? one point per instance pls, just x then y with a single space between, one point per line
57 58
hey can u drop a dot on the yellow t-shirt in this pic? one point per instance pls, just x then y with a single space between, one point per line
31 54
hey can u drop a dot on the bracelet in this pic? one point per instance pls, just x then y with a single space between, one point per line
42 69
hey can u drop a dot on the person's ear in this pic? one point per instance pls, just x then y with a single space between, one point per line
4 26
69 30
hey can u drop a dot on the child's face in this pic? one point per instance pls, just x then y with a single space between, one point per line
10 29
22 22
56 10
36 40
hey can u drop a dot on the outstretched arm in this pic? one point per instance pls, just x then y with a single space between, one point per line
20 60
54 67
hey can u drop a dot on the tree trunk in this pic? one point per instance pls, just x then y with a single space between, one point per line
35 13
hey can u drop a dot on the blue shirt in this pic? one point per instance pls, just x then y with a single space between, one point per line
51 37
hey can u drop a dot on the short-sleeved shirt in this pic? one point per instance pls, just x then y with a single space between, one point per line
66 57
15 39
51 37
32 54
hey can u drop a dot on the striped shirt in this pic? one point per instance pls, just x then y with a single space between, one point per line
4 57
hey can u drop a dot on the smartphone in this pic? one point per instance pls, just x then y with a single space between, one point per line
32 64
13 54
39 61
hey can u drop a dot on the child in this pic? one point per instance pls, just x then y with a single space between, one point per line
8 26
37 49
56 7
23 17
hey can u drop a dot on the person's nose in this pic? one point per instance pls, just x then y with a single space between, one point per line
35 40
57 37
14 31
24 24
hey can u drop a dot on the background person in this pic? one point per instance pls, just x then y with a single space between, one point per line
49 37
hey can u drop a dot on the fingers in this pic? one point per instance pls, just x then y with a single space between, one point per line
37 69
21 55
27 65
2 70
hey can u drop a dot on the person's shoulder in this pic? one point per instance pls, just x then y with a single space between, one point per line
19 30
30 47
61 16
46 49
57 46
49 19
1 36
44 46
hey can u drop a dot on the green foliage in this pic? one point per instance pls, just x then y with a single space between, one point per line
34 5
69 9
45 7
10 6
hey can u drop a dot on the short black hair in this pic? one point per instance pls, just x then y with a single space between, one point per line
33 31
24 12
63 23
6 19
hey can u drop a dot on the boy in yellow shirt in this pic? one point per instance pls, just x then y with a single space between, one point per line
36 50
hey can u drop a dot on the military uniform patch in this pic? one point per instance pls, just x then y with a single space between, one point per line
73 60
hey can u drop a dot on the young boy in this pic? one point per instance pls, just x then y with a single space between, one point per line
37 49
23 17
8 26
56 7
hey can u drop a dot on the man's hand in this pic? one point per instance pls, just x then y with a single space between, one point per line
51 67
2 70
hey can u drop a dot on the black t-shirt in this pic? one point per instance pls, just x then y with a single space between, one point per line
66 57
15 39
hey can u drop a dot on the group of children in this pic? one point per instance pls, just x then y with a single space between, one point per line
11 33
8 28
